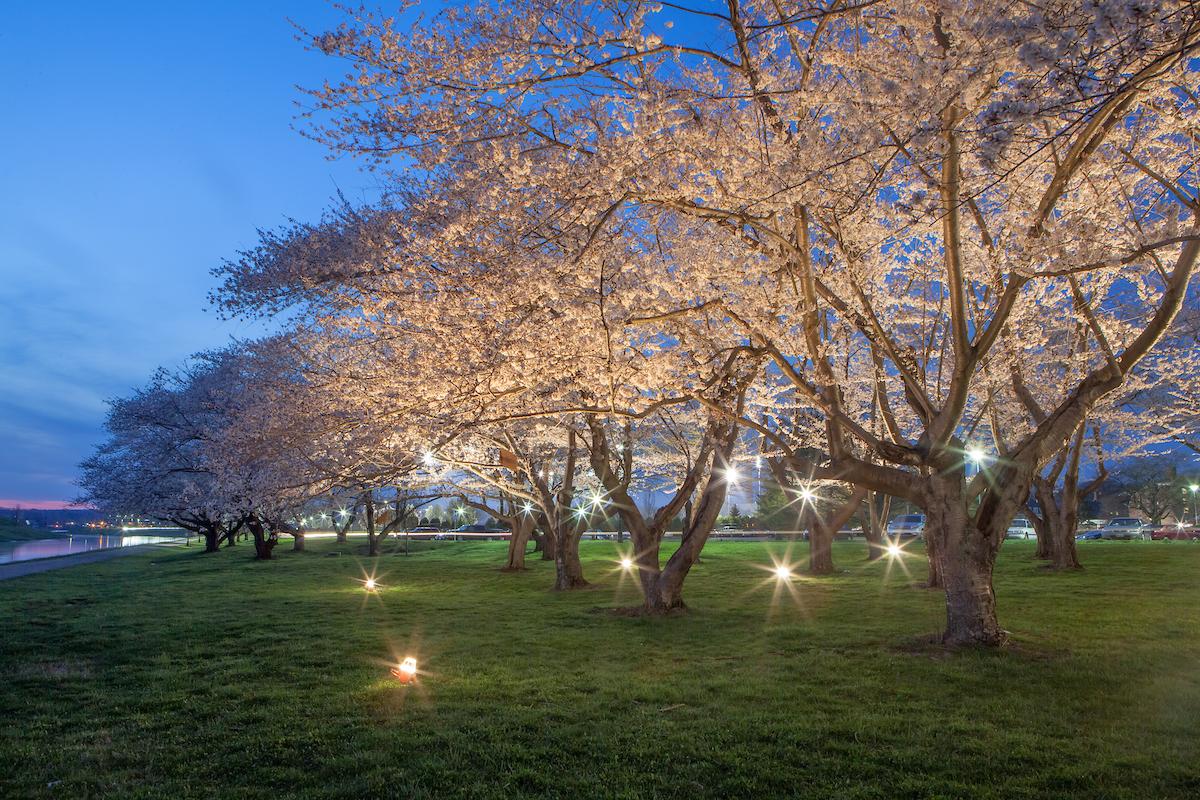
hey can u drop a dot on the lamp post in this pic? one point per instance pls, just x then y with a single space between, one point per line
1195 487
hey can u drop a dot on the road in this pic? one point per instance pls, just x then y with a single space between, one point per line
16 569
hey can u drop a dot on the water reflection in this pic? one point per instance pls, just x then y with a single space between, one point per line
66 545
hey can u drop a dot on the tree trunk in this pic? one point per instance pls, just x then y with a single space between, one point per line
820 549
264 541
549 545
934 539
1056 527
1064 555
822 530
298 542
343 532
1060 511
372 539
1041 526
568 571
875 526
212 538
965 552
522 526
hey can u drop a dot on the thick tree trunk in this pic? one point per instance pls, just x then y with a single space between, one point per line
212 538
298 542
1041 527
1064 555
820 549
568 571
546 539
1055 528
965 552
522 526
264 541
1059 515
934 540
822 530
662 590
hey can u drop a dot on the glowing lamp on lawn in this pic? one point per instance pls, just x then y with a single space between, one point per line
627 563
893 550
783 573
407 671
370 585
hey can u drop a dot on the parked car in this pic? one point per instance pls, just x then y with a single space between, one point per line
1087 535
1124 528
425 532
907 525
1180 532
1020 528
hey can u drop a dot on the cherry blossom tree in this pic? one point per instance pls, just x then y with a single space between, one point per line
155 462
922 175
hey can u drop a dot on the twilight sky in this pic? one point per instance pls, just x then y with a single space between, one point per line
141 143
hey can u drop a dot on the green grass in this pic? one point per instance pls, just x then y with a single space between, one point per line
178 675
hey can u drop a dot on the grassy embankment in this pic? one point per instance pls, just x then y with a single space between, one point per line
13 532
181 675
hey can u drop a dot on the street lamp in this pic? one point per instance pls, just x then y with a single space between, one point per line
1195 487
976 455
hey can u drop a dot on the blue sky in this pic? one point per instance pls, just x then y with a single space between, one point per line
140 143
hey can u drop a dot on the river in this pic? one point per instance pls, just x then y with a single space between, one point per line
75 543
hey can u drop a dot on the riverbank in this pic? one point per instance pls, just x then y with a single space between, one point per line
19 532
17 569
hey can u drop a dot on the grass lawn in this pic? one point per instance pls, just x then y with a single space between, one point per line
180 675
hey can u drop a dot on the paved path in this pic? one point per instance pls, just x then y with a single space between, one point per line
16 569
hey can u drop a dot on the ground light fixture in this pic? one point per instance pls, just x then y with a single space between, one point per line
894 550
406 672
370 585
627 563
783 573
